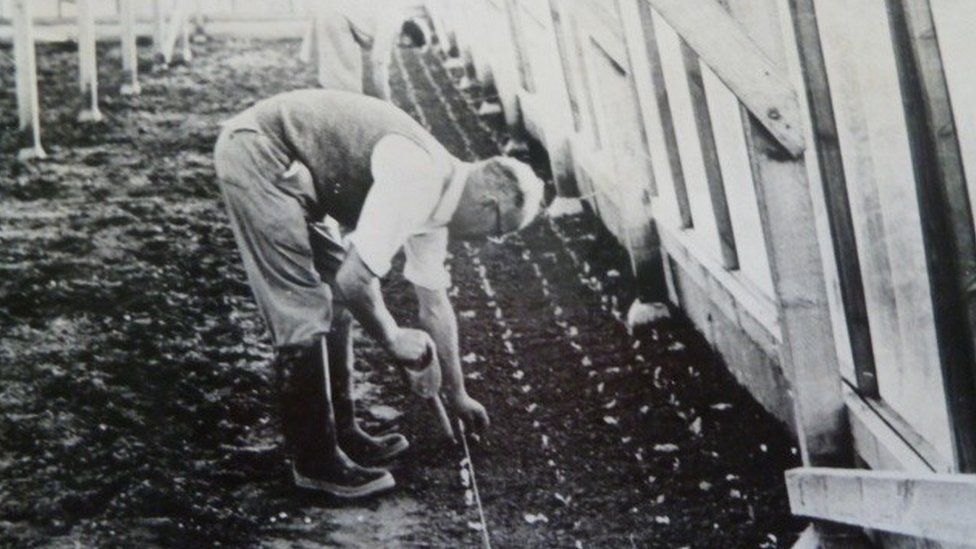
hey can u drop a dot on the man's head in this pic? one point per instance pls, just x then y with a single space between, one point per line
501 195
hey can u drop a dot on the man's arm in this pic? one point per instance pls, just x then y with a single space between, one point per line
360 289
436 316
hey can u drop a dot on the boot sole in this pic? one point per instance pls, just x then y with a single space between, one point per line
371 488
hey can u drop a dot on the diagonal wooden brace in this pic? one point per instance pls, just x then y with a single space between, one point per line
722 44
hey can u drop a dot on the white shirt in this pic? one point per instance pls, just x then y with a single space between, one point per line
408 206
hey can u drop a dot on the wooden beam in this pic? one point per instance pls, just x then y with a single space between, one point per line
25 60
809 355
834 184
947 220
130 51
752 76
937 507
87 62
713 166
662 137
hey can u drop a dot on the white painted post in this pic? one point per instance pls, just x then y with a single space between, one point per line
87 61
159 27
28 108
185 35
130 52
175 30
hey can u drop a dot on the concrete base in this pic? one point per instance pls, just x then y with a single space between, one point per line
31 153
755 368
90 115
130 89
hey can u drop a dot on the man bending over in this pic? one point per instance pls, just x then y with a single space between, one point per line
296 157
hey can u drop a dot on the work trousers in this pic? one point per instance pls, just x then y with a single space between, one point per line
290 257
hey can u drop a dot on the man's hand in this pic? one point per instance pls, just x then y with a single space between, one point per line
410 345
471 411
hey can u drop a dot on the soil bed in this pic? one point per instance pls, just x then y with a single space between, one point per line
135 396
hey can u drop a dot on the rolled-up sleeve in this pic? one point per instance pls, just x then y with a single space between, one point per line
405 191
426 257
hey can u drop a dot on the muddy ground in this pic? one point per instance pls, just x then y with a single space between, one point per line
135 398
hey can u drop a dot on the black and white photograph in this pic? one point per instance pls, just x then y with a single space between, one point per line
301 274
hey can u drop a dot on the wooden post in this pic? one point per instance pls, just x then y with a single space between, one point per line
87 62
832 174
176 29
28 107
786 209
947 221
130 52
159 27
187 51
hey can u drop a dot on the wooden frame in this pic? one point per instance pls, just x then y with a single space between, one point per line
789 226
713 167
723 45
666 142
947 228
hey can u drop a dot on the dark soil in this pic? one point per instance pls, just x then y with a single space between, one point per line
135 395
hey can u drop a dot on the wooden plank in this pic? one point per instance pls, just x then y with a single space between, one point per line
789 225
834 185
950 243
563 36
585 84
87 62
726 115
937 507
879 443
953 21
130 51
658 119
881 186
25 60
713 166
688 142
758 82
604 29
517 33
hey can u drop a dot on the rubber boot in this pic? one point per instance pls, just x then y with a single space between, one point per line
358 444
310 429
